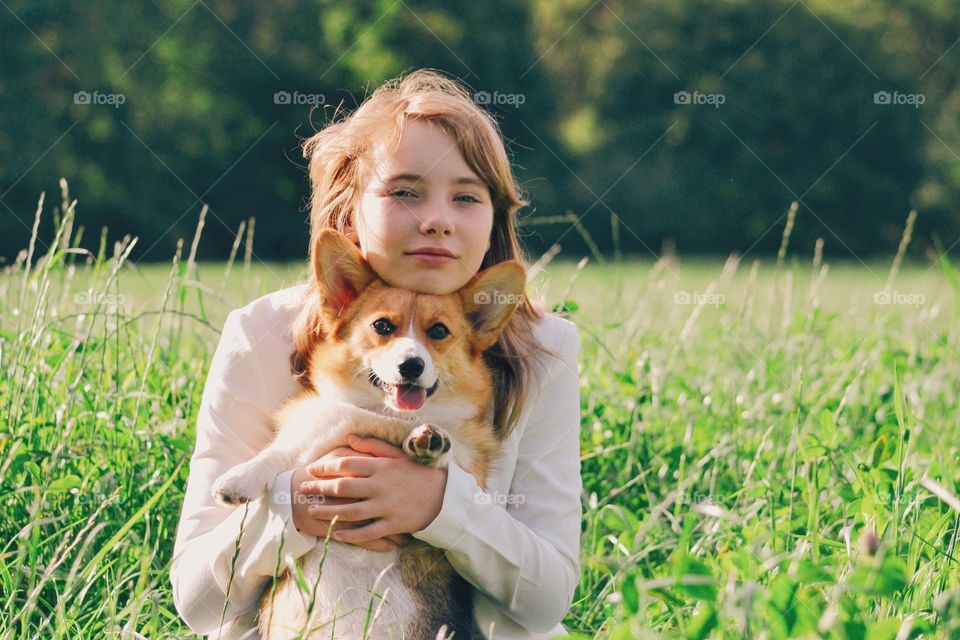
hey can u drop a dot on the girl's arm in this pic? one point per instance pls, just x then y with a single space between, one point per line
232 426
525 554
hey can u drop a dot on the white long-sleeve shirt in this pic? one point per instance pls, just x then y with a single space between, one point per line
517 541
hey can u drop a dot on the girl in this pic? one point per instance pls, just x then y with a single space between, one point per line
417 167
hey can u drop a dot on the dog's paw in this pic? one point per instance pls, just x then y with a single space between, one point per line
238 486
427 444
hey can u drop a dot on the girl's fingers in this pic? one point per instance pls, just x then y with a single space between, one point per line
336 488
375 446
351 512
356 535
346 466
339 452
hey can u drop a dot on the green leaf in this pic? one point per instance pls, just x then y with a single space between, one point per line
782 594
33 469
884 629
305 589
808 573
704 622
885 580
567 306
622 632
64 484
828 428
631 597
811 449
618 520
880 452
686 566
897 396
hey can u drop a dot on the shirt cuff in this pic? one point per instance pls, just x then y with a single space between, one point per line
461 492
281 505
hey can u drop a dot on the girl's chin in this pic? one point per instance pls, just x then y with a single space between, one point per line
430 282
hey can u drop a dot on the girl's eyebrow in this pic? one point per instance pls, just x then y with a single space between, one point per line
412 177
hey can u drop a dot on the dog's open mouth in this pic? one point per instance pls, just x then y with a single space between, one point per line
409 397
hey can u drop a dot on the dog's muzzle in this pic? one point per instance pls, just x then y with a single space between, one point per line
383 385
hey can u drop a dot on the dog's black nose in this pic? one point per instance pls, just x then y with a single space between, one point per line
411 368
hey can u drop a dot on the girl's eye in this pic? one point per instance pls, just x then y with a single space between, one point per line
472 199
438 331
383 327
401 193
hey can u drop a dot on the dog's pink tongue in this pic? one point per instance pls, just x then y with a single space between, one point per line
410 397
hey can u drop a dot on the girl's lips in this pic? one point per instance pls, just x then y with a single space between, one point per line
429 258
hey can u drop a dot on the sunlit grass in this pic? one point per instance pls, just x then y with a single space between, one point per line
763 442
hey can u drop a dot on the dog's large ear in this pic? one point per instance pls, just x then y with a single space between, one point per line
340 270
490 298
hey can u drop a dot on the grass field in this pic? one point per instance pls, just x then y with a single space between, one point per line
769 448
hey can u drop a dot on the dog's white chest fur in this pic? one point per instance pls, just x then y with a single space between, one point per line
345 606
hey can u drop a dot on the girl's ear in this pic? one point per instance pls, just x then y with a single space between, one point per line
490 298
351 235
340 270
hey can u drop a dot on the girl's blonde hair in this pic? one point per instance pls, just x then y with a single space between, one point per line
336 157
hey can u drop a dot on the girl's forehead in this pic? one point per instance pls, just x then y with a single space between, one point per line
419 163
418 140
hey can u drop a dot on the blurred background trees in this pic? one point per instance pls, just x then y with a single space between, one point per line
690 122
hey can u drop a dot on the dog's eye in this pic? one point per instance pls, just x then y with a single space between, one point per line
383 326
438 331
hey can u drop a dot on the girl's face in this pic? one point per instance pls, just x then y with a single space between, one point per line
423 196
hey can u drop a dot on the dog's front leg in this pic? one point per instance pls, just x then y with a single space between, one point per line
308 428
251 479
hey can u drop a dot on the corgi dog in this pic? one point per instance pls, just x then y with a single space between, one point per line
406 368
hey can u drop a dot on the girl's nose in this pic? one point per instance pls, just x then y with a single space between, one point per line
437 223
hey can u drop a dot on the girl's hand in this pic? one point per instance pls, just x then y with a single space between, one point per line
311 525
375 482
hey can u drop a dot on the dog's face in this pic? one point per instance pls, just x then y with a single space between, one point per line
396 348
